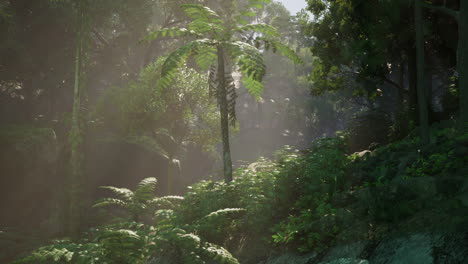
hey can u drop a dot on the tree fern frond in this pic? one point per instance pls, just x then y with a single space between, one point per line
204 27
205 57
204 19
177 59
251 65
124 193
247 11
254 87
264 29
109 202
148 143
145 189
281 47
213 82
249 59
231 97
170 32
196 11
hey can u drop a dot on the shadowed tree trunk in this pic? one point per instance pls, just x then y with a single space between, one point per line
223 107
412 89
75 181
422 99
462 64
462 54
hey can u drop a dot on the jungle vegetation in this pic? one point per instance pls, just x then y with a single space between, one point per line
204 131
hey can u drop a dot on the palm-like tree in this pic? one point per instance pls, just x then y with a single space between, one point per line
222 45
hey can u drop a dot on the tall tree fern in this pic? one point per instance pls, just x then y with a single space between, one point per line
221 45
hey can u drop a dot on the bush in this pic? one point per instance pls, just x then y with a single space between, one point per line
306 184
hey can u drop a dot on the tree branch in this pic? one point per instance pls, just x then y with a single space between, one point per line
394 84
100 37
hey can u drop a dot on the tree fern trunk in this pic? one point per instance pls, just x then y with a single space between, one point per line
463 61
170 175
422 98
223 107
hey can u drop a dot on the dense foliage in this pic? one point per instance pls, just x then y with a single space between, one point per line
344 124
304 200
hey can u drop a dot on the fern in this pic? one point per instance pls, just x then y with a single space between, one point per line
136 202
169 202
265 29
170 32
148 143
277 46
216 38
145 190
225 212
177 59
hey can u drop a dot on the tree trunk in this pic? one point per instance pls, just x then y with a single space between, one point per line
173 170
422 98
75 175
412 89
462 63
223 107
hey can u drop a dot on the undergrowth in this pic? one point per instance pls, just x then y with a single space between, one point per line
304 201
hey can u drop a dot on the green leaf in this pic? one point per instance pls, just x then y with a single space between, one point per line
266 30
121 192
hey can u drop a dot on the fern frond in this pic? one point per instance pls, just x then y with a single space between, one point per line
173 198
188 241
231 98
264 29
219 254
225 212
177 59
251 65
167 201
145 189
281 47
254 87
110 201
124 193
213 82
247 11
170 32
249 59
204 27
148 143
196 11
48 254
204 19
119 235
205 57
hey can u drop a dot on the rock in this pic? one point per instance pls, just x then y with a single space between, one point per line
407 250
347 261
345 252
292 258
451 248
